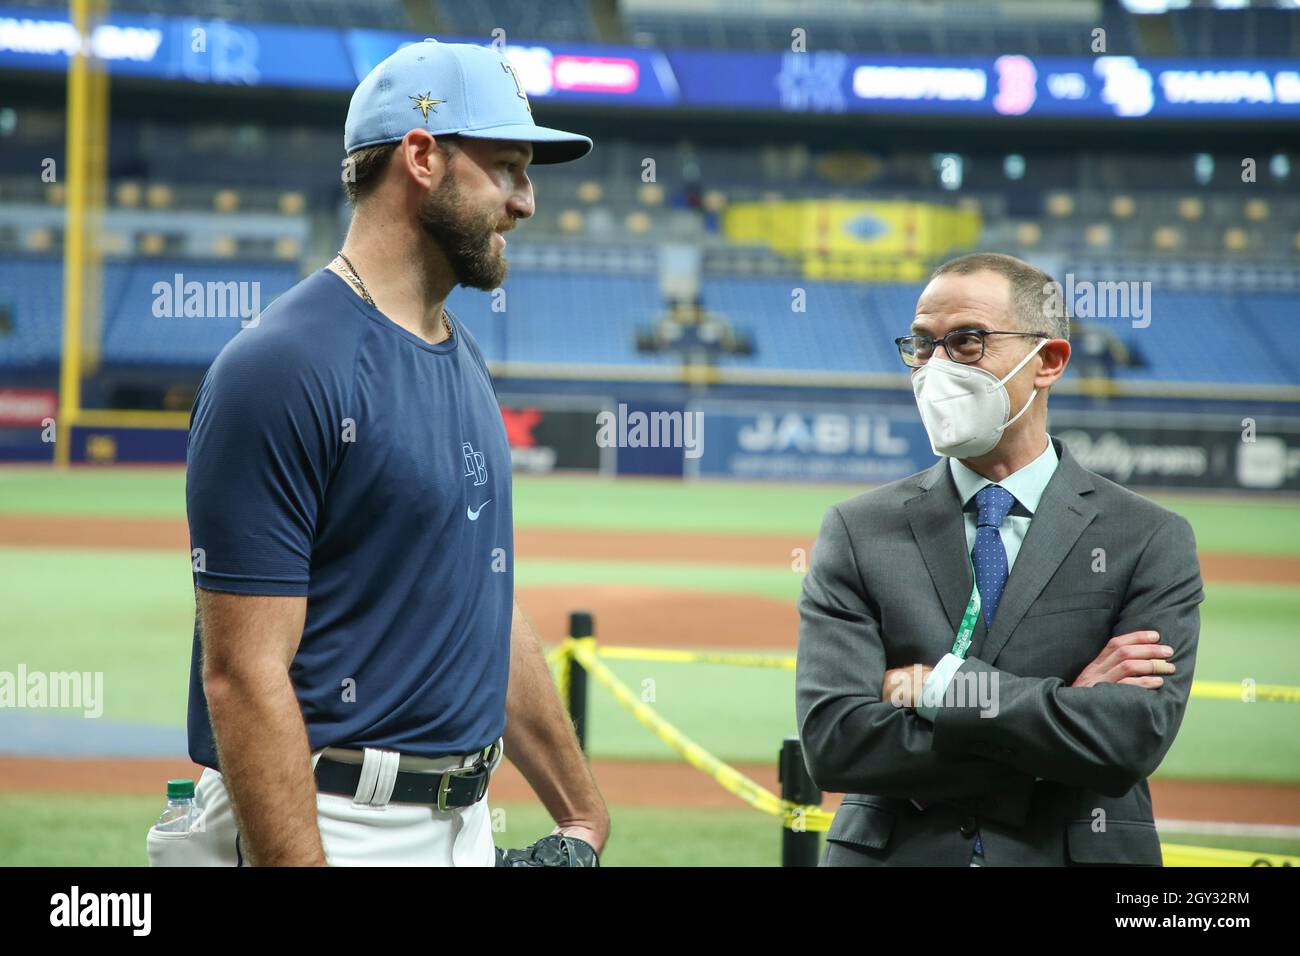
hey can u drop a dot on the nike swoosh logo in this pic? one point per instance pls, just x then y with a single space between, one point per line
473 513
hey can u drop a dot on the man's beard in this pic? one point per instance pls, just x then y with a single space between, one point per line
465 238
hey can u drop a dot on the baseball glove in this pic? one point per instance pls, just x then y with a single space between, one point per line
552 850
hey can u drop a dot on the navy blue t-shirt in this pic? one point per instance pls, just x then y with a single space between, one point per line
333 454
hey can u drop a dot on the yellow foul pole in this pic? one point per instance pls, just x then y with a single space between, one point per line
86 93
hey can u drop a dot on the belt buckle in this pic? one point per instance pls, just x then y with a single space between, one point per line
483 761
444 784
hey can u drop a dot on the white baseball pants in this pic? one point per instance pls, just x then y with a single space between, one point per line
363 830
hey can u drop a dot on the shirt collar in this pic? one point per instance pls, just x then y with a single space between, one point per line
1026 485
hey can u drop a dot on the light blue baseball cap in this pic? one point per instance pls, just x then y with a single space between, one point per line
450 88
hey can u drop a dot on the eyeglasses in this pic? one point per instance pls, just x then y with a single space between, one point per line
962 345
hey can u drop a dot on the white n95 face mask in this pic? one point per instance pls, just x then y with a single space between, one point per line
965 408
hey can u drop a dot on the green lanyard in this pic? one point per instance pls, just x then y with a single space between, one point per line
962 644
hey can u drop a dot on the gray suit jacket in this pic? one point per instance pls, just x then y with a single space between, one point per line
886 587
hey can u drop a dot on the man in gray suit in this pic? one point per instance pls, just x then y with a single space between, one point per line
995 653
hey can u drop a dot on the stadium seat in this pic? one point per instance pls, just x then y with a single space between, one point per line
291 203
1060 205
128 194
158 196
40 239
637 222
1257 210
1098 235
650 194
1166 238
1028 234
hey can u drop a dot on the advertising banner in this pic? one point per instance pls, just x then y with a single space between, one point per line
551 434
214 50
809 442
1214 452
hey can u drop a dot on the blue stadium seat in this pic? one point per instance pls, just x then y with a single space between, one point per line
557 20
554 316
132 334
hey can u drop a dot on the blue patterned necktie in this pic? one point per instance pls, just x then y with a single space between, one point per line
990 559
990 555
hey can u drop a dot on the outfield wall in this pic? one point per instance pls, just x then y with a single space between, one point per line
776 434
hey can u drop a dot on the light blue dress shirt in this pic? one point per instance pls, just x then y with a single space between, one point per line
1026 486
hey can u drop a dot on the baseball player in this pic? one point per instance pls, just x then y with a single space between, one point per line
359 664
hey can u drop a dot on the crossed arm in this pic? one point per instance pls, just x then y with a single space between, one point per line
1106 737
249 643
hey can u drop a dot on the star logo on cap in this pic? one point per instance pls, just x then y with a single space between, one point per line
424 103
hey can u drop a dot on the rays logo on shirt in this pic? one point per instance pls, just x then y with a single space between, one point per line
474 467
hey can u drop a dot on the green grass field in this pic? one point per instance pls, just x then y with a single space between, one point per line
129 614
72 830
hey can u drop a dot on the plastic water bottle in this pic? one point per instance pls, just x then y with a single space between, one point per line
180 810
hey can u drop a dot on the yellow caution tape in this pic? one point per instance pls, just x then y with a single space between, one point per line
729 778
811 819
1176 854
560 660
778 661
807 819
1244 691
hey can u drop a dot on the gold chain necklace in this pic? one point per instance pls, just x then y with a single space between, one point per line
355 278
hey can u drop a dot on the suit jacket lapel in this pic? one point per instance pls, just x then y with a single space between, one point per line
1063 512
936 519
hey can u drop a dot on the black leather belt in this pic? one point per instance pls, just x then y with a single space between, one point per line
454 788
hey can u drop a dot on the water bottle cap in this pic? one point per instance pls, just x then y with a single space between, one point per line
180 789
